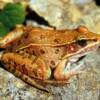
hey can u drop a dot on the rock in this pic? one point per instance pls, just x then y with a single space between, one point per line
64 14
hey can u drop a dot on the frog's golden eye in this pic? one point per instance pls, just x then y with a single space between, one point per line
81 42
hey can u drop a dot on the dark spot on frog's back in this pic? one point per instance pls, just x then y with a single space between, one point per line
52 62
56 40
42 51
42 36
24 69
57 50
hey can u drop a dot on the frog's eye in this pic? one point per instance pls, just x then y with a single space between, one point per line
82 42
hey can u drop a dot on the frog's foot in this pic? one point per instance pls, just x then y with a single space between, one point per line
64 70
56 82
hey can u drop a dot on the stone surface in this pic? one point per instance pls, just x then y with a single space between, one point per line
61 14
68 13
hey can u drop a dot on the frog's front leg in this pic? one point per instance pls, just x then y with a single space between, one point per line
64 71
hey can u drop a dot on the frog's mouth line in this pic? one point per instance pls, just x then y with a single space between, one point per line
81 58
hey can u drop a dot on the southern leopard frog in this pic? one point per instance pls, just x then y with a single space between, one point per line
44 56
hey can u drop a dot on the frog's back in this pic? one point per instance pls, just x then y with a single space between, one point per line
43 36
51 36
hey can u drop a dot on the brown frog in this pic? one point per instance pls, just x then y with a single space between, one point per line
46 55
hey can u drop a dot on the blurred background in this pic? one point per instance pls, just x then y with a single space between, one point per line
58 14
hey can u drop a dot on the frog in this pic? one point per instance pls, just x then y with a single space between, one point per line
45 56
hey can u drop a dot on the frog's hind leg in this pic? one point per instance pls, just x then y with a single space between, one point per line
17 64
27 79
30 81
51 81
56 82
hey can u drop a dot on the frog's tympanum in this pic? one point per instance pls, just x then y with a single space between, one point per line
46 55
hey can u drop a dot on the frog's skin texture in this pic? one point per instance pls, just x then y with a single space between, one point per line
45 55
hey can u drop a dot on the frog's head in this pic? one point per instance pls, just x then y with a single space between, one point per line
83 43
